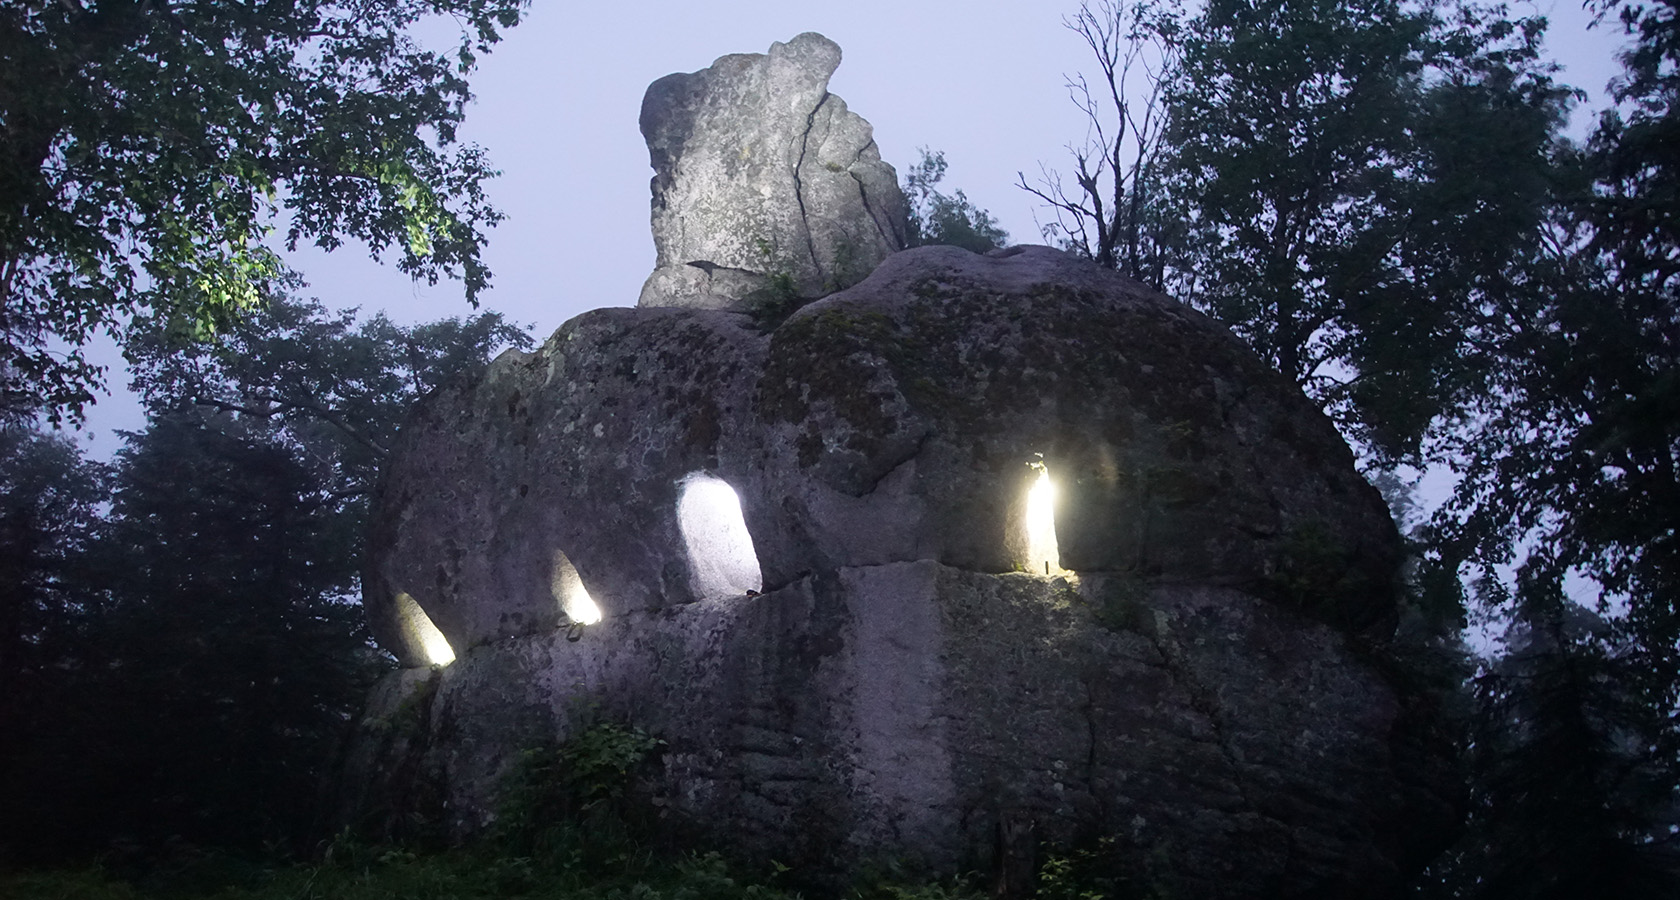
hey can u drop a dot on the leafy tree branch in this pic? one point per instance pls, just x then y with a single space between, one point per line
148 151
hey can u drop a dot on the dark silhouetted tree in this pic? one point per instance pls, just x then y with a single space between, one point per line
211 652
1111 212
49 497
1356 187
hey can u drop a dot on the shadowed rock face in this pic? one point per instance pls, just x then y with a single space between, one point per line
1188 678
766 188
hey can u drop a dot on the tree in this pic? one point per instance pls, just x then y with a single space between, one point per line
1362 183
337 389
1565 786
149 149
203 650
233 654
48 495
1353 186
48 502
1568 495
949 219
1112 215
1618 360
1569 483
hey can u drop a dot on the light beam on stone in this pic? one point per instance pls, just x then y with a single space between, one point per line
568 589
720 551
1043 556
420 629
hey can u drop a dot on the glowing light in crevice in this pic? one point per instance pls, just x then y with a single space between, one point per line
720 550
1043 555
419 628
568 589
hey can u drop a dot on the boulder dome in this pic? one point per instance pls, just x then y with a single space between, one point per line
977 541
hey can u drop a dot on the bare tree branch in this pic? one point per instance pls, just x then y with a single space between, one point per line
1101 214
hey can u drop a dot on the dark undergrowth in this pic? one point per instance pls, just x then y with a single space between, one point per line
351 872
571 825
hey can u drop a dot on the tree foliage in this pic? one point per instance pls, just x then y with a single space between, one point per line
196 651
336 388
206 660
236 633
949 219
1353 186
1564 784
48 510
1570 479
1362 183
149 149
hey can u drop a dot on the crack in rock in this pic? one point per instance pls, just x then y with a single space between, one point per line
799 182
715 201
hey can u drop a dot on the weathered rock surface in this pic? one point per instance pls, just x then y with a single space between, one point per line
766 187
1196 677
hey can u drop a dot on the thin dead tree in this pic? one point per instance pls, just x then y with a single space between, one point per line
1103 213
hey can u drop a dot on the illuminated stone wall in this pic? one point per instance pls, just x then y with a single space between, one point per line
975 540
813 556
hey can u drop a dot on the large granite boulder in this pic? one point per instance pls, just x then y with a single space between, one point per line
884 642
766 188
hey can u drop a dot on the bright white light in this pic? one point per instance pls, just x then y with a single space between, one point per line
719 548
420 629
1043 556
568 589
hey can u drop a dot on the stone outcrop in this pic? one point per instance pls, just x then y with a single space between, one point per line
766 188
874 655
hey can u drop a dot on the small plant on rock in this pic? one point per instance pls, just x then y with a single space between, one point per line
575 801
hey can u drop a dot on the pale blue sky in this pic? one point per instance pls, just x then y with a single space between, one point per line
558 100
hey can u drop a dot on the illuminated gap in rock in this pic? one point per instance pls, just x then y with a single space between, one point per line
568 589
720 551
419 628
1043 555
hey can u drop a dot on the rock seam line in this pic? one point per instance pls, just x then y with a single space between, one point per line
799 184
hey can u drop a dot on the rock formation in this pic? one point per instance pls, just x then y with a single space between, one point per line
829 576
766 188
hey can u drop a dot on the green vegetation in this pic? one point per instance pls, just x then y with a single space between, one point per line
577 801
486 871
183 651
770 306
150 149
351 872
1377 195
937 218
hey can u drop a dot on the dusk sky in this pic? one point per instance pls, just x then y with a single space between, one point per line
557 104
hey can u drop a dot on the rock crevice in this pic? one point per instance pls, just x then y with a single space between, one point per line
799 184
